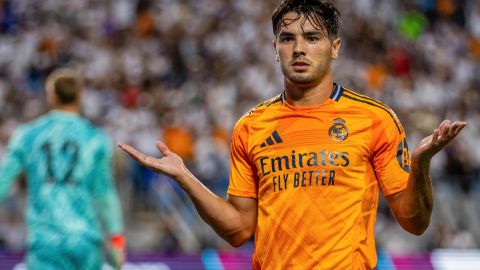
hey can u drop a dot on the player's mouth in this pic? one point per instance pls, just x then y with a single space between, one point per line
300 65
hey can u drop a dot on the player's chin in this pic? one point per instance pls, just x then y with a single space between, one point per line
301 79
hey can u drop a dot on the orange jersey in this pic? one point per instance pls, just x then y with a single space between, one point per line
316 173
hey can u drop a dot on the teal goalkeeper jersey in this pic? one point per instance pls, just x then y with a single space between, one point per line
68 164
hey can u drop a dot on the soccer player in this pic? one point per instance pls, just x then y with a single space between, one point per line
307 166
68 165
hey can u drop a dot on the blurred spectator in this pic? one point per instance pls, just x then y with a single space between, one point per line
185 71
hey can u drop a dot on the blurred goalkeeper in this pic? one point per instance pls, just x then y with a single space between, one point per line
71 197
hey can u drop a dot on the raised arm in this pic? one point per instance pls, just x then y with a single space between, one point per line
413 206
233 219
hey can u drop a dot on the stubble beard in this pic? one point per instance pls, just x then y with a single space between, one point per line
302 78
311 77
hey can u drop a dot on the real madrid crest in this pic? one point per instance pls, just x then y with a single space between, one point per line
338 132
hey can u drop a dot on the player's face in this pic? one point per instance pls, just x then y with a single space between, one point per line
305 52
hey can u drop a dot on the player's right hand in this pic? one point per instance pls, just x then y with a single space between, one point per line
170 164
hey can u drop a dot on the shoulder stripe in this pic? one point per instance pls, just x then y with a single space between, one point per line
367 98
378 106
270 102
273 102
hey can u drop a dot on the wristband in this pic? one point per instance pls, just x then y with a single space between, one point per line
118 241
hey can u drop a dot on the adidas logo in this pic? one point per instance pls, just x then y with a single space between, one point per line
271 140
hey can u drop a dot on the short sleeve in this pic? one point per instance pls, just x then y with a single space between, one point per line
391 160
243 177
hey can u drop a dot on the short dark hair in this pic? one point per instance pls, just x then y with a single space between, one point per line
320 14
66 84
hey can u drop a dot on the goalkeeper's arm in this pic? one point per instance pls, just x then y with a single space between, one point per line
109 207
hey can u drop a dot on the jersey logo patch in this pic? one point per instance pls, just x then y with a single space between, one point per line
403 156
271 140
338 132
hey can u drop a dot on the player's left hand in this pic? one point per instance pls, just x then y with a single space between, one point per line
441 136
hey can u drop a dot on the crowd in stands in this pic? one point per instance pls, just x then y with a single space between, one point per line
184 72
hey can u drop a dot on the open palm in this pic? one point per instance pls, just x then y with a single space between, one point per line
170 164
441 136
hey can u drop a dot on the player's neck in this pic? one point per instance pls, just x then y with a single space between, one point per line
309 96
68 108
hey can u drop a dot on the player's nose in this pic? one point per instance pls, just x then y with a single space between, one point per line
299 47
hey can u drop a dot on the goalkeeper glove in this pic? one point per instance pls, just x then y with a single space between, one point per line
117 246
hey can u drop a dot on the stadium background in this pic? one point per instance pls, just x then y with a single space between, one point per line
185 71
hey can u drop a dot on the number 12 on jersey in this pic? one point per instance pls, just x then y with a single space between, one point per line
68 150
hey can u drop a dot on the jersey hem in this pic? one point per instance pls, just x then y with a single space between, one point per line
395 189
241 193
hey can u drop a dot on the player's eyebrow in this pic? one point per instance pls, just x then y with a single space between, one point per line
285 34
313 33
307 33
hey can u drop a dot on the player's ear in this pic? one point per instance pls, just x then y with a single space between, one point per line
51 97
274 44
336 44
